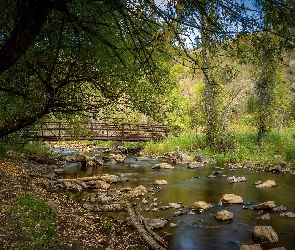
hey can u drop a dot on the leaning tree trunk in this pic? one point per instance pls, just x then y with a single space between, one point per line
211 91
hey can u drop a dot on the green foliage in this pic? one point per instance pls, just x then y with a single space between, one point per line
35 223
183 142
276 146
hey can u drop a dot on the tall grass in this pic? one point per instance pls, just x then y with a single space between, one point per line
276 146
183 142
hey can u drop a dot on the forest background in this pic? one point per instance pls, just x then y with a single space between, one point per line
220 74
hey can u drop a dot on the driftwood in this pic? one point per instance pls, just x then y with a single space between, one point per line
153 240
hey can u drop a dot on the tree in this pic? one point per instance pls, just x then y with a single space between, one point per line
81 58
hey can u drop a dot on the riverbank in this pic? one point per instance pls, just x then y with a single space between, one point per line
76 227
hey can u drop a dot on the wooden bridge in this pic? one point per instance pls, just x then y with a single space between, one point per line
55 131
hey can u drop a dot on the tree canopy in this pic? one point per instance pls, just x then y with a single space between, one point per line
78 56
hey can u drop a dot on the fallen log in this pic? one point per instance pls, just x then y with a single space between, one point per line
115 207
91 178
152 240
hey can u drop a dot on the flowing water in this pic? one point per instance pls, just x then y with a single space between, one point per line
201 230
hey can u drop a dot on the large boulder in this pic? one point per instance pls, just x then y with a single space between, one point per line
268 183
230 199
265 234
224 215
202 205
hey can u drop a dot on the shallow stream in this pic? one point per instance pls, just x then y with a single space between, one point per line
201 230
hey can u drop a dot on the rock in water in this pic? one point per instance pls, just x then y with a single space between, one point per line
265 234
268 183
160 182
224 215
202 205
230 199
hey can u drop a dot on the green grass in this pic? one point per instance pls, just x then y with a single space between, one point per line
276 146
183 142
35 224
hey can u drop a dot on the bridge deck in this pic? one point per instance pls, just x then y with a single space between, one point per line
55 131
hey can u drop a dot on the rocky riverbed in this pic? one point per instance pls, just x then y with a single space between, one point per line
107 189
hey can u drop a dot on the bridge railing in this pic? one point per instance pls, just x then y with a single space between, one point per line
98 131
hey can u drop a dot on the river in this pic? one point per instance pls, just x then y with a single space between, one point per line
201 230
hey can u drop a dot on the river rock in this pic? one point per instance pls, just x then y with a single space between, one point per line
217 173
144 201
113 158
174 205
134 165
113 178
140 190
177 157
102 184
268 205
268 183
162 165
172 225
224 215
277 167
177 213
160 182
202 205
265 234
264 217
288 214
230 199
142 158
279 208
156 223
251 247
195 165
202 159
278 248
233 179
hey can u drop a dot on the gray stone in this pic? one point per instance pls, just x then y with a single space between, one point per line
175 205
162 165
264 217
288 214
156 223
